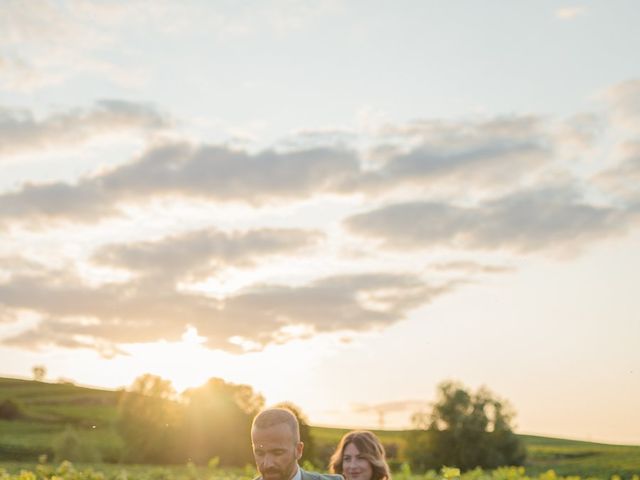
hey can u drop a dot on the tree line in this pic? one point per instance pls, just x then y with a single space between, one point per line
204 424
213 423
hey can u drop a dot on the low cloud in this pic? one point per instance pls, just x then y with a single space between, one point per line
481 155
202 253
20 131
83 202
624 104
143 310
212 173
456 153
579 133
64 335
223 174
469 267
622 181
522 222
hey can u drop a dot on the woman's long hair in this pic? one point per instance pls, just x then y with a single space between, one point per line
369 447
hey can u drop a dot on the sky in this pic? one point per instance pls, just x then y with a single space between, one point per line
339 203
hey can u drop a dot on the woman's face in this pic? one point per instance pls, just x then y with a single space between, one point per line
354 466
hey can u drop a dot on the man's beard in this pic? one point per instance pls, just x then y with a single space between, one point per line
277 473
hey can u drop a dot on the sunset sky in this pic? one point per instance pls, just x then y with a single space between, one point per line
341 203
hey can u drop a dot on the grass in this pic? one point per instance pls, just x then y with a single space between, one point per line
48 408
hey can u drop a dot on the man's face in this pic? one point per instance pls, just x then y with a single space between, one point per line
276 451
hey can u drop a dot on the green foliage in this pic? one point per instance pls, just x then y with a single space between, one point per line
11 409
217 422
213 420
70 447
465 429
149 422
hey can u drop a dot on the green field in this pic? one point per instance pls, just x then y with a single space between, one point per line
49 407
565 457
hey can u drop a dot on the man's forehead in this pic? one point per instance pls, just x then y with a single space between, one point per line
272 436
270 444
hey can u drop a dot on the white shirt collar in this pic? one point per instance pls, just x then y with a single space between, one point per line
298 475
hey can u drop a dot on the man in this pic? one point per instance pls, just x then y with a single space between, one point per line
275 435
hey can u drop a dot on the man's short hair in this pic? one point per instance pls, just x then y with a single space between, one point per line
275 416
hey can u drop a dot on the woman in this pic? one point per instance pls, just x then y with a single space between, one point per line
360 456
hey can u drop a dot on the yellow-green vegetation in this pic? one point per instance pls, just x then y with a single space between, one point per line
588 458
68 471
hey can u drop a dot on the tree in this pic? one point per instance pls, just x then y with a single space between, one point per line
11 409
218 420
39 372
149 420
466 430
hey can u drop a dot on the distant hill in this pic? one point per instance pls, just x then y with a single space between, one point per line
47 408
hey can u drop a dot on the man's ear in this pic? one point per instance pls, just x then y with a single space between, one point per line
299 450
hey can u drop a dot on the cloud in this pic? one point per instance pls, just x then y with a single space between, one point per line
570 13
469 267
622 181
357 302
21 131
472 153
202 253
213 173
48 42
144 310
7 316
84 202
579 133
528 221
624 103
223 174
62 334
45 42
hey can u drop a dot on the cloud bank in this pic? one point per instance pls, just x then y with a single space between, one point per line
20 131
74 314
497 187
522 222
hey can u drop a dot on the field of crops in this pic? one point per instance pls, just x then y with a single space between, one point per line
68 471
50 408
